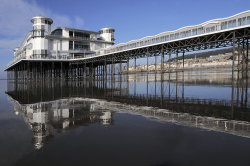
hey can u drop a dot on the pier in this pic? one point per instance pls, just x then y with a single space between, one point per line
97 64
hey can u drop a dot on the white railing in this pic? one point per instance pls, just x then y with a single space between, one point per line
83 38
204 28
16 59
85 56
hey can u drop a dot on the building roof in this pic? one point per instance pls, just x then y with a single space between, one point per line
76 30
15 49
107 28
47 18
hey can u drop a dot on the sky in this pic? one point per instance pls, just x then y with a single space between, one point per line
131 19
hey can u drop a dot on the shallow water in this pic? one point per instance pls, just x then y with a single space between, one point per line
188 121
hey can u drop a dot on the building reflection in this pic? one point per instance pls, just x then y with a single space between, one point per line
60 115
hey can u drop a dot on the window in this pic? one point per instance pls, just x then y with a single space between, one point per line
177 36
200 30
207 30
239 22
188 33
248 20
212 29
234 23
243 21
172 37
194 32
230 24
59 32
183 34
70 45
222 26
80 46
167 38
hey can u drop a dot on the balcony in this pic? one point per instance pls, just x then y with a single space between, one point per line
79 49
50 57
82 38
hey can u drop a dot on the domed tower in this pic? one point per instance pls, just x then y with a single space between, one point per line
41 27
107 34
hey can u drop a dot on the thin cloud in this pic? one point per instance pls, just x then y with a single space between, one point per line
79 22
16 24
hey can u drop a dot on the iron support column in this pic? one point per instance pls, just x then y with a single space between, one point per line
147 76
233 54
28 70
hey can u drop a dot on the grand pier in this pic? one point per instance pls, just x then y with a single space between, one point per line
67 53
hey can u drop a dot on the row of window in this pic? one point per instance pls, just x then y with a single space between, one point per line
35 27
39 56
78 46
196 31
42 21
232 23
79 34
39 52
57 32
38 33
83 38
106 31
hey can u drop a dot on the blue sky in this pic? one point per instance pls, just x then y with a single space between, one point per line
131 19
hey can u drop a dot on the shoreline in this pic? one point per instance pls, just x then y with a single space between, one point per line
180 69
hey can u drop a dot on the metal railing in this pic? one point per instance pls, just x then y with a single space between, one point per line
83 38
16 59
85 56
79 49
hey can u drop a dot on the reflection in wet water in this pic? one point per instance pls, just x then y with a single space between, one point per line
62 106
49 108
60 115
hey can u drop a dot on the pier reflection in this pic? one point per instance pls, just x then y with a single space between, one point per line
60 115
60 106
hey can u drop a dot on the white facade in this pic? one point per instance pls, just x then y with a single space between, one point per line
60 43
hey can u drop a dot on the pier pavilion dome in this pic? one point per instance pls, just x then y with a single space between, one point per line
107 34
